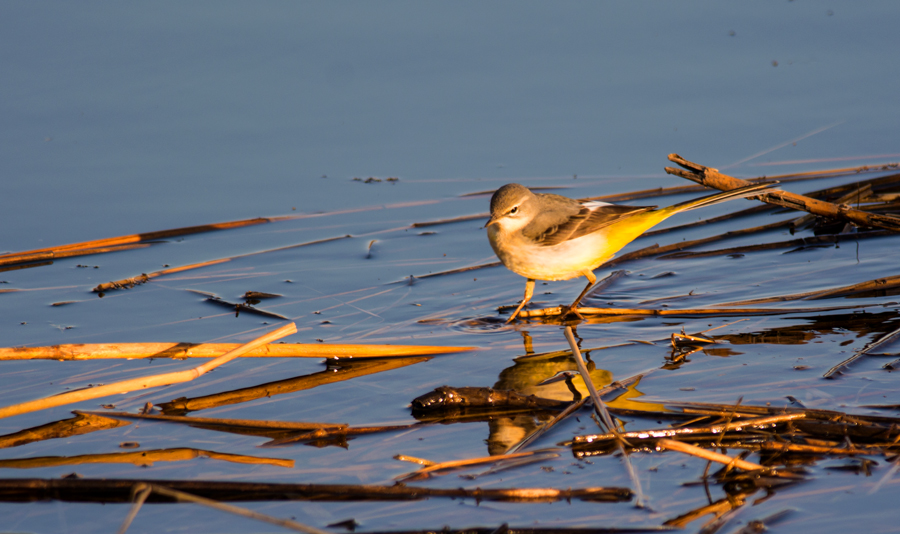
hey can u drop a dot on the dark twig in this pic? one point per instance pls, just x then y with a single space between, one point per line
713 178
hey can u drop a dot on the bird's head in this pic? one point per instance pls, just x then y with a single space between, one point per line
512 207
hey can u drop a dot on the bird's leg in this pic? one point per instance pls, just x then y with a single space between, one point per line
591 281
529 291
529 344
576 395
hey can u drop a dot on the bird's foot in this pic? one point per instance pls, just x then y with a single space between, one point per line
566 311
515 313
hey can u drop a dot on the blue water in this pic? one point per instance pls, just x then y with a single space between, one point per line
119 118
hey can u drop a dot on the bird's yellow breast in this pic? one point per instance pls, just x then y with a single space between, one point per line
570 258
558 262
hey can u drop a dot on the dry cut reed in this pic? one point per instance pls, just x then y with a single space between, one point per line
102 351
126 386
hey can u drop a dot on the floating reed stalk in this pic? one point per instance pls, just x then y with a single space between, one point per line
126 386
18 258
679 446
700 312
223 424
76 426
140 458
687 432
337 373
856 196
144 278
433 469
180 351
110 244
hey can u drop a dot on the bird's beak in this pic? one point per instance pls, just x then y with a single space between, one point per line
492 220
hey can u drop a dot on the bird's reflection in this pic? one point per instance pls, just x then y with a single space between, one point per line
528 378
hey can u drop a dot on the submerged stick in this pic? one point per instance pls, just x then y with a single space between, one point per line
600 408
29 255
862 352
141 492
538 432
812 241
461 218
604 284
126 386
655 250
713 178
119 490
703 222
180 351
144 278
879 284
461 270
181 496
574 407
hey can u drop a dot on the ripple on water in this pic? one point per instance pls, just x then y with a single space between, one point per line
480 325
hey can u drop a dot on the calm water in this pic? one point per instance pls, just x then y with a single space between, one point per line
119 119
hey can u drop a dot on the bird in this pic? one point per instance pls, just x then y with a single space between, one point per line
543 236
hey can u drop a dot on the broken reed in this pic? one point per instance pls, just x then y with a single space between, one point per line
164 379
713 178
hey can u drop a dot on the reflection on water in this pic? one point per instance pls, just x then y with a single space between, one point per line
812 328
526 377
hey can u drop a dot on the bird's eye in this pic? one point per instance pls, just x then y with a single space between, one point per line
514 210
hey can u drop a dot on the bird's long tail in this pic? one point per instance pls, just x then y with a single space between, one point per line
641 222
702 202
619 235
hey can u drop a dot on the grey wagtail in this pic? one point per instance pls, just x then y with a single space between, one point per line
551 237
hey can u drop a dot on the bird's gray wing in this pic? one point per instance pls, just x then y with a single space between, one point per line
554 226
554 212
